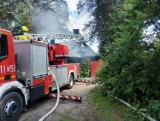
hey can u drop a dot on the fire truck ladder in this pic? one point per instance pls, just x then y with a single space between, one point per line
49 36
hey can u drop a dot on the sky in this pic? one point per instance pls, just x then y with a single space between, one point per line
72 4
78 21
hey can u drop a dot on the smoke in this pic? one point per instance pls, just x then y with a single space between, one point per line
79 49
51 17
80 52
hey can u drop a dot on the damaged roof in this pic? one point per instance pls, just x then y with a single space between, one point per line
79 49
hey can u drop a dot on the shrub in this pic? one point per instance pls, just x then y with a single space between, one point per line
85 69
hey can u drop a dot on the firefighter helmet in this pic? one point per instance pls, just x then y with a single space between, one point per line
25 29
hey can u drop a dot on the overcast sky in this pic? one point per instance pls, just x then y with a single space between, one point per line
72 5
76 21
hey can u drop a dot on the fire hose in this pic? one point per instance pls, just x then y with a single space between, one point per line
57 101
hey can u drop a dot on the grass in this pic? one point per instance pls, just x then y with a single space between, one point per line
66 118
105 109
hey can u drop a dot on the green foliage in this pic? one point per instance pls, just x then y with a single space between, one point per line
16 12
99 26
154 108
84 69
106 109
132 63
19 12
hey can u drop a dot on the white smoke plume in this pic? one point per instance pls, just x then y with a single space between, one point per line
51 18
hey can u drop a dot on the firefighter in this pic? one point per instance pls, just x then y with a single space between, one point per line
25 29
21 33
25 36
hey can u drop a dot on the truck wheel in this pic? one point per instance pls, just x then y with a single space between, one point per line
11 107
71 82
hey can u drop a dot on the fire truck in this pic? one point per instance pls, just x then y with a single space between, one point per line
24 75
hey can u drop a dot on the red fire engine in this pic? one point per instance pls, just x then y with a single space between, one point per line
24 75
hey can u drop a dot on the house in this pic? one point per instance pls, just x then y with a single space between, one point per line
79 52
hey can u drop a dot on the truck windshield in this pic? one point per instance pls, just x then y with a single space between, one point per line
3 47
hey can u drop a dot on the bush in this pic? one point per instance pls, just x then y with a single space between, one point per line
133 75
85 69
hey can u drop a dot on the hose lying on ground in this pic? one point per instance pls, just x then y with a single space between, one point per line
57 101
130 106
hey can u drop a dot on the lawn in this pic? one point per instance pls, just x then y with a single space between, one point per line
108 110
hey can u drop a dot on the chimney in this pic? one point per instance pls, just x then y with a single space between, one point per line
76 31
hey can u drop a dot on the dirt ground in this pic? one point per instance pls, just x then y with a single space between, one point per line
67 109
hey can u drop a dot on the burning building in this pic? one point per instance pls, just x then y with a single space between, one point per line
80 52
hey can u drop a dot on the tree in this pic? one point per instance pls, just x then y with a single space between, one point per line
19 12
131 60
101 25
16 11
106 18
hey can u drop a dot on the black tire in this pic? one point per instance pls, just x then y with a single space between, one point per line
10 107
71 82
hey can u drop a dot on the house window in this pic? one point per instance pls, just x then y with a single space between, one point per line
3 47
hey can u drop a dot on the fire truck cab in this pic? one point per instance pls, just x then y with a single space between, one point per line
25 72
